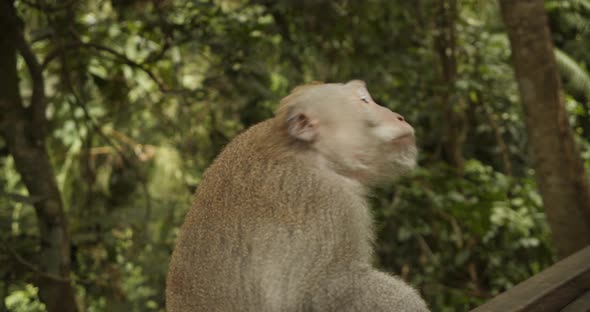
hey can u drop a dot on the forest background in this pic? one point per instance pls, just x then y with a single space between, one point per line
110 111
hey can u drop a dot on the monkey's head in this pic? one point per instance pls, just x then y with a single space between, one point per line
348 131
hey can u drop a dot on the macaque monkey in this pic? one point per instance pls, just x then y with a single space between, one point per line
280 221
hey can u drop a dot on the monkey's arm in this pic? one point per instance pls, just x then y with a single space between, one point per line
369 290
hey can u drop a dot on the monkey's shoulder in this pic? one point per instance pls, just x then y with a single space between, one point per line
257 171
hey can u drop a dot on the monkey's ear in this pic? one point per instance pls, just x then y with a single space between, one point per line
302 127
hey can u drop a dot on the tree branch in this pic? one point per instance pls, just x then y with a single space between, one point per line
14 32
120 57
38 103
25 139
49 8
30 266
21 198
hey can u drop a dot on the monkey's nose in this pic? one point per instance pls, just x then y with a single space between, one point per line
399 117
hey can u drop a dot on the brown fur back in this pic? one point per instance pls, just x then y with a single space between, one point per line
221 262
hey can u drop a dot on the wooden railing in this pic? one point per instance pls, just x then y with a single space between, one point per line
564 287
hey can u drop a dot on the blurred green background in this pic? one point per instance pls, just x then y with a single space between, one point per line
142 94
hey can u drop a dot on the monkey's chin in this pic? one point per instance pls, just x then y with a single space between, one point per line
405 140
405 159
401 162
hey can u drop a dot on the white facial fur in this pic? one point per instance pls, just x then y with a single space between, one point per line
388 132
356 136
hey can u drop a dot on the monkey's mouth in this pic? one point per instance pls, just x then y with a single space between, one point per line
405 138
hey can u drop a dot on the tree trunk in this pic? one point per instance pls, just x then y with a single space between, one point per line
23 130
559 169
453 129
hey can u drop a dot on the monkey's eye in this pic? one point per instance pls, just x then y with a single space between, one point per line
365 99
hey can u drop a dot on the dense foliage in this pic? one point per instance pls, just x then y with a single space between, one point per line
143 94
